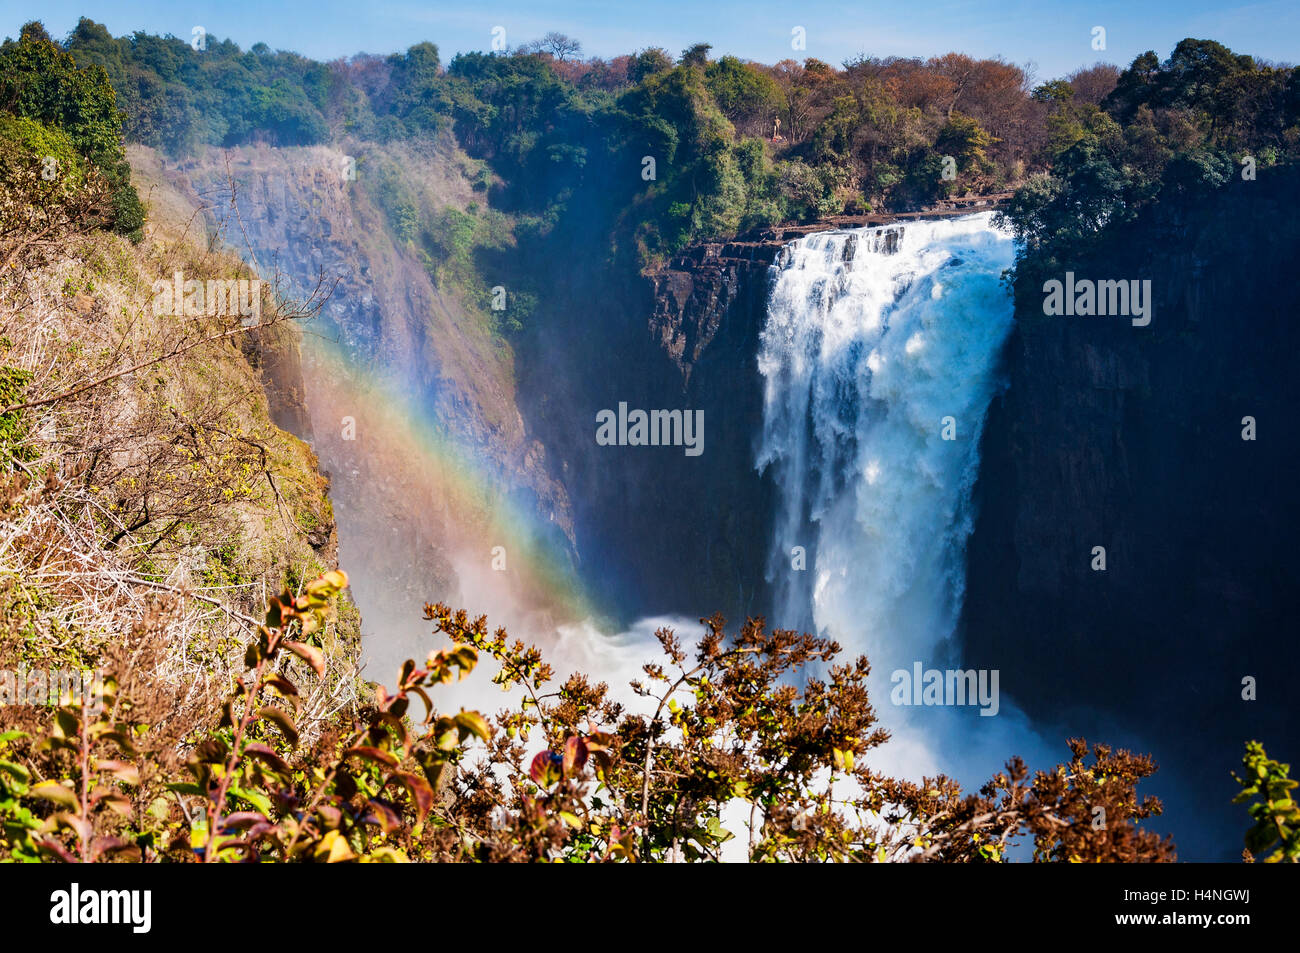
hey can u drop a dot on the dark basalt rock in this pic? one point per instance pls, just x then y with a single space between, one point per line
1130 438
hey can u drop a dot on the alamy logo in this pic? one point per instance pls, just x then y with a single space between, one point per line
1087 297
133 907
923 686
38 687
658 428
193 298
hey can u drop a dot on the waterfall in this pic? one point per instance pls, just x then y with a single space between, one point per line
878 344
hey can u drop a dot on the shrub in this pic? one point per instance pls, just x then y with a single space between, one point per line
567 775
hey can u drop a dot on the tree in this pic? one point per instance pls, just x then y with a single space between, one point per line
809 89
960 71
1093 84
696 55
1269 786
962 138
40 81
560 46
568 776
649 63
748 97
40 213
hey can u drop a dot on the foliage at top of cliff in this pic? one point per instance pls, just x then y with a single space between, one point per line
734 144
652 152
1175 130
64 104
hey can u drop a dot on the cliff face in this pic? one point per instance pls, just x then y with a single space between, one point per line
708 288
405 393
661 531
650 528
1131 438
205 500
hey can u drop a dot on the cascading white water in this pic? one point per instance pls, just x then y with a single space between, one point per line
876 340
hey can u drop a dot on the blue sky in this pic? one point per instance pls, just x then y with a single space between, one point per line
1055 36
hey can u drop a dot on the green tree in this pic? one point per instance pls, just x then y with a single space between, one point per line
962 138
745 94
648 63
40 81
696 55
1268 785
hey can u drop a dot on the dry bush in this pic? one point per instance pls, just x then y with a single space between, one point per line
149 503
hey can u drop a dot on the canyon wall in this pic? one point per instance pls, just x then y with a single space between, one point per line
1130 438
405 393
662 531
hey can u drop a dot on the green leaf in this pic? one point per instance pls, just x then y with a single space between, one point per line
66 724
328 584
446 734
15 771
186 787
256 798
717 831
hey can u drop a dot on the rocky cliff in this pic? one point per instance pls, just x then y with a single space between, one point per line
663 532
1131 438
403 389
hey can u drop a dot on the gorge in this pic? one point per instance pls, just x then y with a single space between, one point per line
523 455
908 451
821 439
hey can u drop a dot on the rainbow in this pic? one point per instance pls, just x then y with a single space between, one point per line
400 480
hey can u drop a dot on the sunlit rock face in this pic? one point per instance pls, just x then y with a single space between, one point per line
406 397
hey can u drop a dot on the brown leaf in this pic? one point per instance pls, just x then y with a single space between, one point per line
282 721
110 845
372 754
265 753
310 654
56 792
124 771
421 793
575 755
